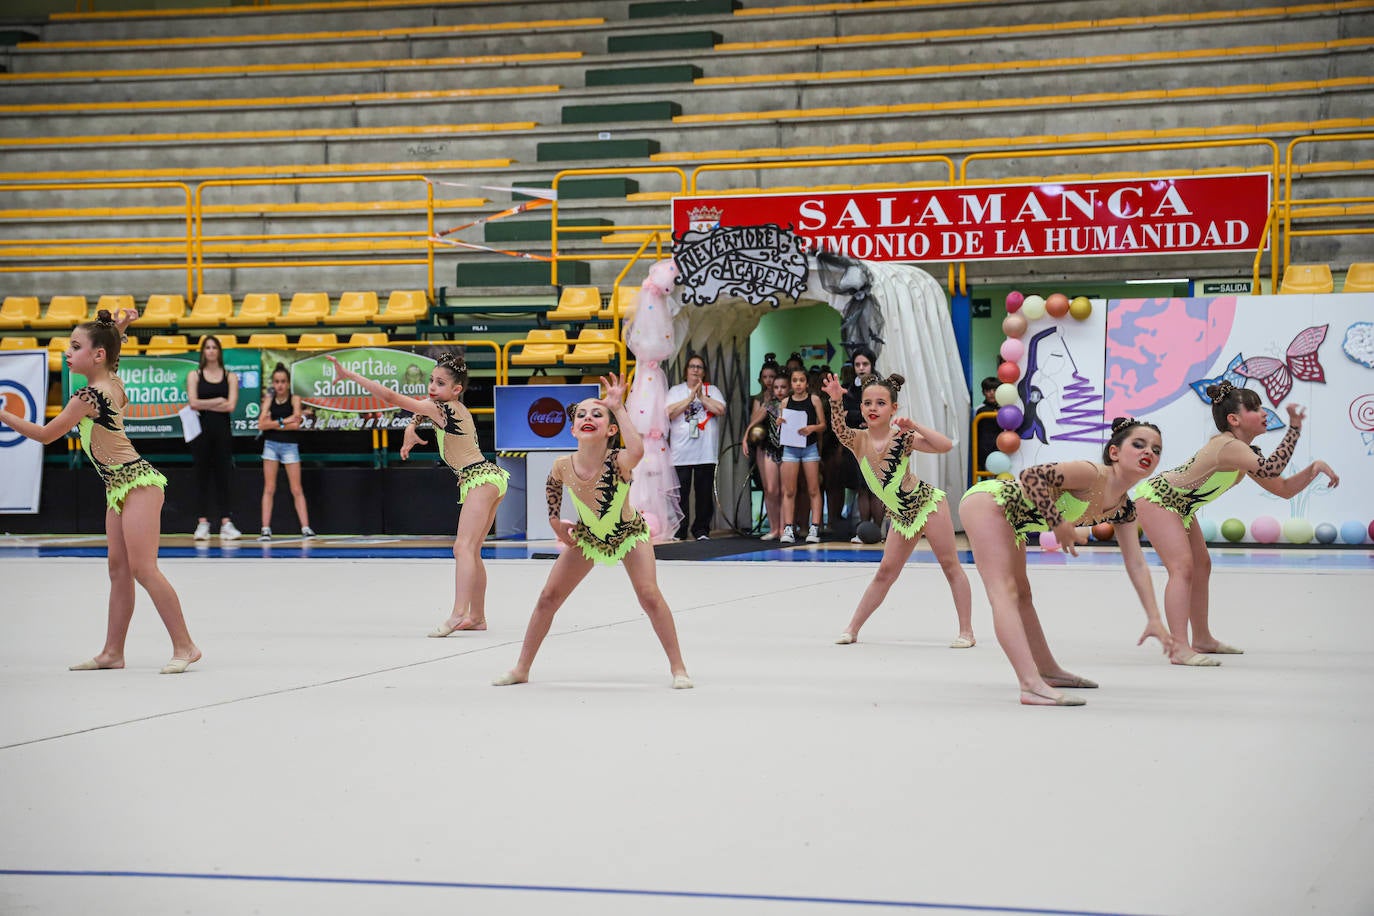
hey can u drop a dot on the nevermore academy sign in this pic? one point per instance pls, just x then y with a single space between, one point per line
1214 213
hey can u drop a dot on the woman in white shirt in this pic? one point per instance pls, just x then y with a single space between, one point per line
694 410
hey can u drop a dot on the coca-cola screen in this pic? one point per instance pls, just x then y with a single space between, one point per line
532 418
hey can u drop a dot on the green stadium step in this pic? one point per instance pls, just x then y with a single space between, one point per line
663 41
541 230
586 188
626 111
640 76
513 272
620 150
661 8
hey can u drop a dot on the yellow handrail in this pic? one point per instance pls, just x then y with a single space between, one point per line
421 238
555 229
1287 197
127 245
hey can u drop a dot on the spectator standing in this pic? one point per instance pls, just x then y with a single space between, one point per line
280 422
695 407
213 392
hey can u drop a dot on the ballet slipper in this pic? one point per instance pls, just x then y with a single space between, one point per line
1197 660
444 629
509 678
770 536
1221 648
93 665
846 639
1031 698
682 682
963 642
179 665
1071 680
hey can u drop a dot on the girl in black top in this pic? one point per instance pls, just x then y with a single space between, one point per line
280 420
869 507
807 456
213 392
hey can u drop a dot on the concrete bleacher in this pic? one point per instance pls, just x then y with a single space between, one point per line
482 94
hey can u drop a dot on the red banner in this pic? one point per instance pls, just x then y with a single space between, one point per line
1211 213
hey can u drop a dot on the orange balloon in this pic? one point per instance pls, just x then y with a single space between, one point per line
1057 305
1103 531
1008 372
1008 441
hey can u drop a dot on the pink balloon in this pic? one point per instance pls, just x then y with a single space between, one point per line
1048 541
1265 529
1014 300
1012 350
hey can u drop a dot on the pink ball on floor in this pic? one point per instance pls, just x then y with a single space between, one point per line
1265 529
1048 541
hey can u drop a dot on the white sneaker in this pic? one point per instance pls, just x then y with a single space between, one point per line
788 537
307 532
812 535
266 535
227 532
202 532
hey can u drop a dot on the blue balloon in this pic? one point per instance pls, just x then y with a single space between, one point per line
998 463
1353 532
1209 529
1325 533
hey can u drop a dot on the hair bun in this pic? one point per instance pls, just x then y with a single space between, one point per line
1120 423
1219 391
103 317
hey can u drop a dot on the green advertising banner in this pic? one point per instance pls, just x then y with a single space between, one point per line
156 386
330 403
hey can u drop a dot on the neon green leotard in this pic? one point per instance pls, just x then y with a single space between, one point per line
1025 516
103 440
459 450
611 528
1210 473
908 508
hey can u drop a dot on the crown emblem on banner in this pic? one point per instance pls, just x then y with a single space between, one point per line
710 216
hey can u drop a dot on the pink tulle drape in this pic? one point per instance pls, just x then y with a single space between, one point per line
650 337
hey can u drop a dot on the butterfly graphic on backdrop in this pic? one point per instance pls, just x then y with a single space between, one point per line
1234 376
1300 362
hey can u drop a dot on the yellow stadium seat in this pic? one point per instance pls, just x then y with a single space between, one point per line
163 344
211 310
543 347
114 303
129 346
57 351
312 341
593 347
368 339
267 341
226 341
1307 278
19 343
1359 278
257 310
625 299
404 306
354 308
63 312
162 311
306 308
576 303
18 312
